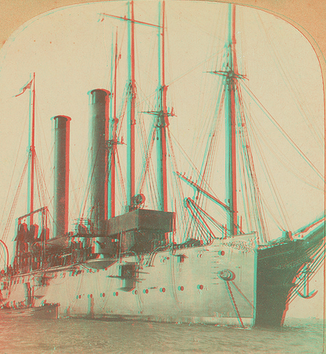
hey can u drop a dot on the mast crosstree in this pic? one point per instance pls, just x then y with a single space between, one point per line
231 75
161 113
230 138
162 116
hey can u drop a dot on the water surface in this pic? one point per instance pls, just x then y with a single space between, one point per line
22 334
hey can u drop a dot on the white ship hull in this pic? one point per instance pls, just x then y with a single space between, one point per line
184 285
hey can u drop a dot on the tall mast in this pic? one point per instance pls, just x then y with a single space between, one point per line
31 166
162 116
131 108
230 140
113 134
131 121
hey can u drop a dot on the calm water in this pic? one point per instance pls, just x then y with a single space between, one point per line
19 334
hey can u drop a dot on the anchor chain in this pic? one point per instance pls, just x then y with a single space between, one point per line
234 304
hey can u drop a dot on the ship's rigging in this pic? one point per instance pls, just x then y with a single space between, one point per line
208 162
193 219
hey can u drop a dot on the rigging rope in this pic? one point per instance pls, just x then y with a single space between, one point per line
278 153
41 183
181 216
233 302
294 145
296 93
198 219
122 185
15 165
212 142
269 178
14 204
243 137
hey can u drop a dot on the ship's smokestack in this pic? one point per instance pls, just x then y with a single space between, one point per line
99 108
61 174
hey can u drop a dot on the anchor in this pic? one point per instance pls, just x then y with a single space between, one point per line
305 276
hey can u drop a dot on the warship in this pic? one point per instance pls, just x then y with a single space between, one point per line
133 264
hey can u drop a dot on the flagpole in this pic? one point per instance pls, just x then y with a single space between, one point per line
30 205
